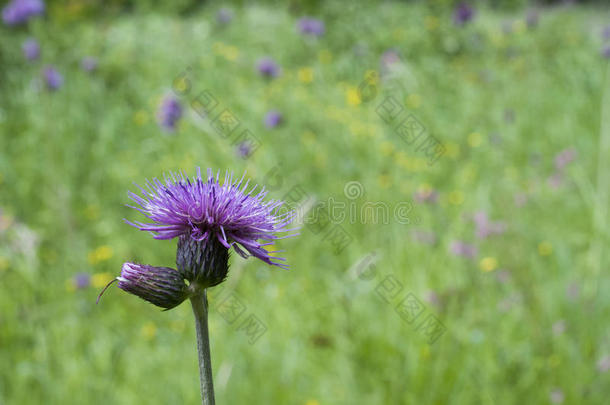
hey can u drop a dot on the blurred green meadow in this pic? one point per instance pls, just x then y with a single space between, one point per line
484 281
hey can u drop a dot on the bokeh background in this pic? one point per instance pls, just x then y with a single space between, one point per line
489 285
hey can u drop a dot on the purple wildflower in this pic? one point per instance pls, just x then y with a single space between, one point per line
426 196
556 396
531 19
606 32
20 11
388 60
52 78
559 327
244 149
268 67
311 26
432 298
463 13
603 364
169 112
485 227
463 249
606 52
161 286
273 118
564 158
210 213
31 49
573 291
224 16
88 63
555 180
503 276
81 280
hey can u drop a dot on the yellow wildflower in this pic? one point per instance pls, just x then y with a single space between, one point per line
352 97
3 263
475 139
488 264
413 101
385 181
431 22
325 56
387 148
100 254
141 116
231 53
149 330
545 248
305 75
99 280
456 197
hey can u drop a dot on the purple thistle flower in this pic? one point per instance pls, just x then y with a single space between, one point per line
556 396
485 227
169 112
224 16
81 280
564 158
161 286
531 19
20 11
244 149
268 67
52 78
559 327
88 63
273 118
603 364
459 248
426 196
463 13
31 49
389 60
311 26
555 180
206 215
503 276
573 291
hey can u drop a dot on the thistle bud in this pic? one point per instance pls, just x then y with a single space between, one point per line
161 286
205 263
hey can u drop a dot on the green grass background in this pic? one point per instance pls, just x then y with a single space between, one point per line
68 158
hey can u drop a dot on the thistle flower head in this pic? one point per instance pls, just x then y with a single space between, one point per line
311 26
244 149
463 13
161 286
273 118
206 211
31 49
52 78
89 63
20 11
268 67
224 16
169 113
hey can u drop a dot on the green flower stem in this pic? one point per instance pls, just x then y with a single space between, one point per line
199 302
